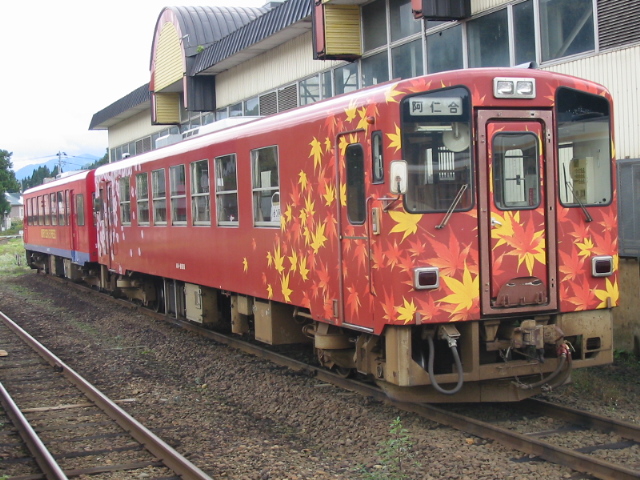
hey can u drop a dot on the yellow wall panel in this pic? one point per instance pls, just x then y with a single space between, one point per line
167 107
342 29
169 61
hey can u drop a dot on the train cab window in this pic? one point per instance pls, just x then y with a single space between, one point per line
356 199
436 145
200 211
61 209
584 148
377 164
159 195
266 193
125 200
516 176
178 195
142 198
54 209
226 190
80 210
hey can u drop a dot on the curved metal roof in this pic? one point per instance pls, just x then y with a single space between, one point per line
202 26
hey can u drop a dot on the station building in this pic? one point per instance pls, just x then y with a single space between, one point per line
213 64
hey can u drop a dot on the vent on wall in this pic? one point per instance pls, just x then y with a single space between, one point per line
441 9
618 22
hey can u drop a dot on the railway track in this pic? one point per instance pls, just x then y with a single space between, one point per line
524 427
66 426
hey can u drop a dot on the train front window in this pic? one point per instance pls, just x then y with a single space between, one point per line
436 145
584 148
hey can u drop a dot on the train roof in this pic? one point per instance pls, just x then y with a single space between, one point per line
82 175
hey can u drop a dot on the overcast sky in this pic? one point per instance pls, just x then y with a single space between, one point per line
62 61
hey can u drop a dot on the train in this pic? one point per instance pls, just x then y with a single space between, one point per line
451 237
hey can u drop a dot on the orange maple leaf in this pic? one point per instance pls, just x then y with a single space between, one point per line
584 296
353 302
393 254
572 266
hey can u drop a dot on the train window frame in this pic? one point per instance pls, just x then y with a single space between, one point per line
178 194
67 204
47 210
200 192
377 157
124 187
142 199
40 202
226 174
265 178
355 184
80 216
61 208
159 196
54 211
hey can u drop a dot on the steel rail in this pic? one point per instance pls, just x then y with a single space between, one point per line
43 457
154 444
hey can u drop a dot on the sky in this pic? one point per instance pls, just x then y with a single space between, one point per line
64 61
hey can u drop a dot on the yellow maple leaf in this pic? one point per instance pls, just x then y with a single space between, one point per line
286 291
396 139
344 143
269 259
269 291
405 222
278 260
327 144
585 247
288 213
310 206
304 271
392 93
316 152
611 293
464 292
302 179
245 264
407 311
293 259
329 194
343 194
351 110
317 238
363 119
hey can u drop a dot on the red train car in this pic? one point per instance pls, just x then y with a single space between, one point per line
60 232
451 236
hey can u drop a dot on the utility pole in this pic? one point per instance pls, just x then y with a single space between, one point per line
60 154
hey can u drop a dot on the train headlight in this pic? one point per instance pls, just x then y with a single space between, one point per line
506 87
426 278
602 266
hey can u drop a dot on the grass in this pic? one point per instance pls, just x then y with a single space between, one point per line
12 258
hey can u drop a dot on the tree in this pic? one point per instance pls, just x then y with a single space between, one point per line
8 182
103 161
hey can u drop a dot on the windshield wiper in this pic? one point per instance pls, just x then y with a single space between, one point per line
587 216
453 206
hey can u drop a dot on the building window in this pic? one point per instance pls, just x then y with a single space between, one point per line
142 198
488 40
178 195
524 40
346 78
235 110
374 25
200 211
125 201
402 22
159 195
226 190
375 69
266 196
444 50
310 90
252 107
327 87
407 60
566 28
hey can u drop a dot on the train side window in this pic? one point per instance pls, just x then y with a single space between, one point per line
266 193
377 164
54 210
47 209
61 214
80 210
29 206
159 195
67 206
125 200
178 195
226 190
142 198
200 210
40 210
356 199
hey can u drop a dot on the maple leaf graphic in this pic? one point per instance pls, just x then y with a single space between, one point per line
584 296
392 93
245 265
302 180
449 258
396 139
406 223
293 259
463 292
304 271
284 284
353 302
388 307
572 266
351 110
610 294
378 255
330 194
316 152
406 311
317 238
278 259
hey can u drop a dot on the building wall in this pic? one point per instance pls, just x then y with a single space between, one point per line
478 6
132 128
617 70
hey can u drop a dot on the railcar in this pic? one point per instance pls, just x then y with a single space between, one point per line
451 236
59 228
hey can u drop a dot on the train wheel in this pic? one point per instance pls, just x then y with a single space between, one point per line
344 372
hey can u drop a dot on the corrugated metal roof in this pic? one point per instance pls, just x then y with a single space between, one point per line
136 101
276 20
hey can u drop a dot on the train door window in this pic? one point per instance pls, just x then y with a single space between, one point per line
377 165
80 210
356 200
61 209
226 190
178 195
159 195
67 206
40 210
142 198
266 193
200 201
125 200
47 210
516 175
54 211
584 143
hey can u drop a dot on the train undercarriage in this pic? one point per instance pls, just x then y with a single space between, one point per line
492 360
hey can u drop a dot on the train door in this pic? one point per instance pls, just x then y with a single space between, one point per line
72 220
517 209
106 197
355 304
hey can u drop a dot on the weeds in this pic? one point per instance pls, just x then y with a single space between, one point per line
12 258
